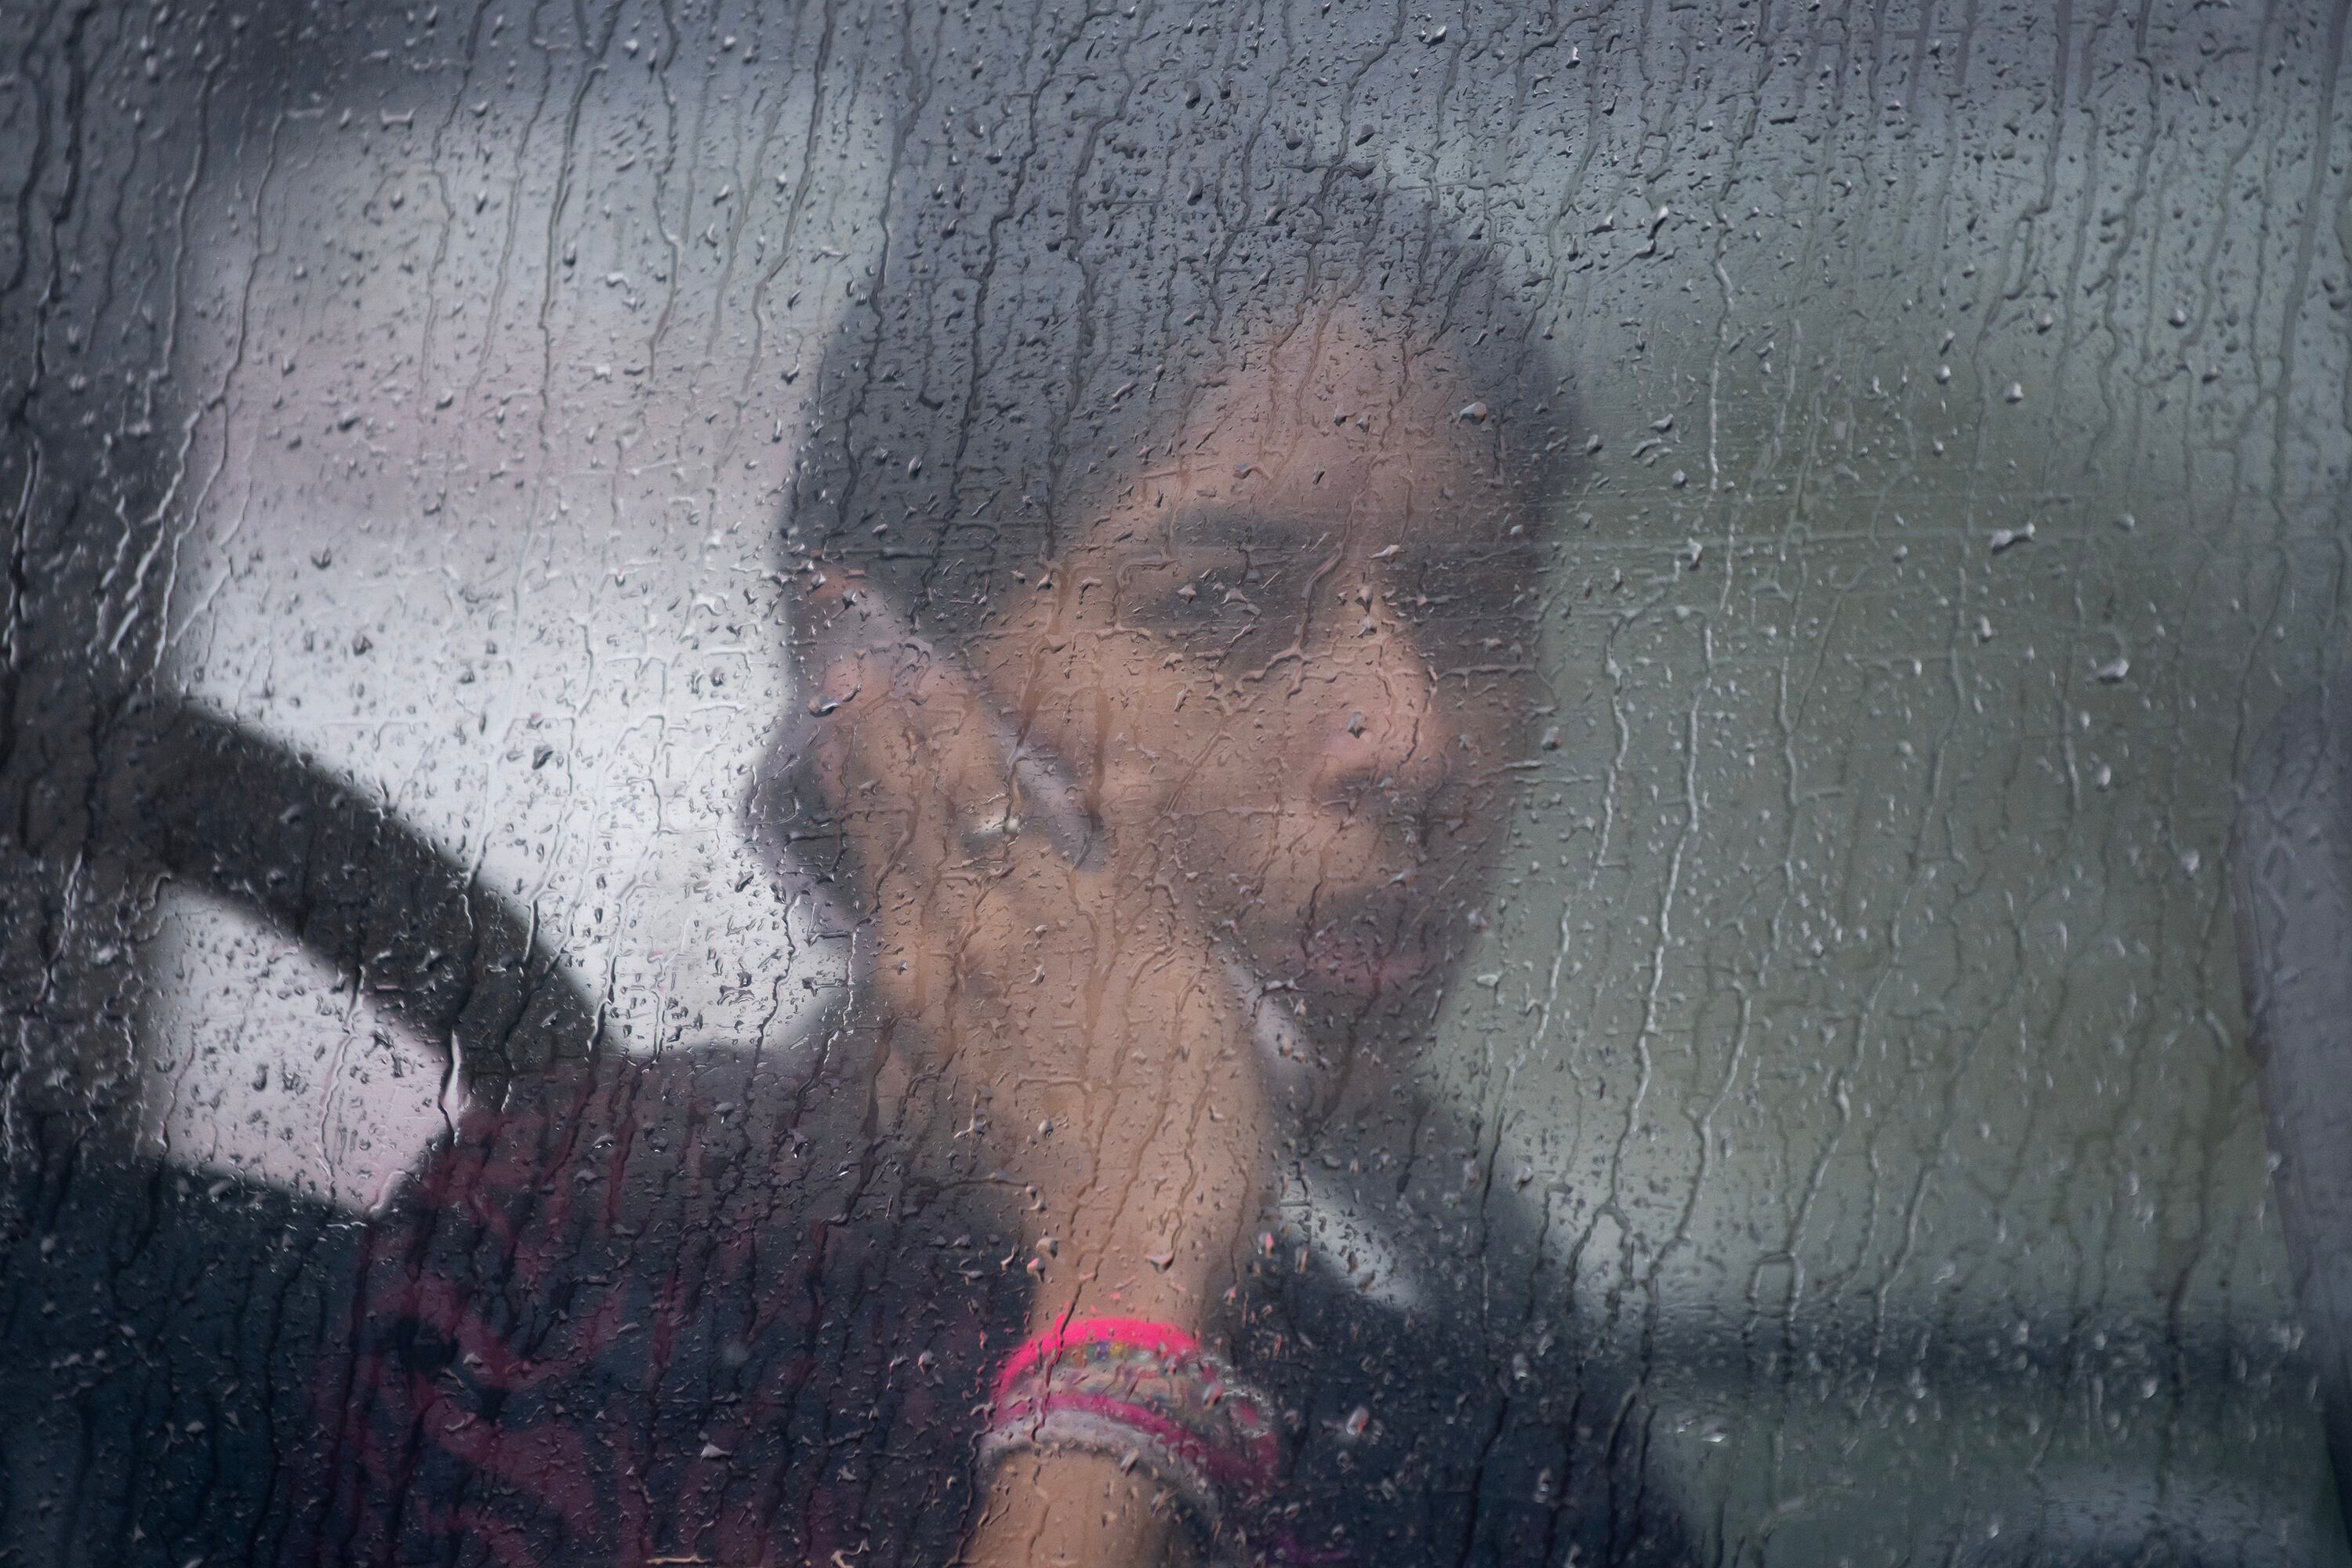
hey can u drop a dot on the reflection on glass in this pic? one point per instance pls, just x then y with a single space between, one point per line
836 786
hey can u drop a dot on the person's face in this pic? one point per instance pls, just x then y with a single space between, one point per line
1292 662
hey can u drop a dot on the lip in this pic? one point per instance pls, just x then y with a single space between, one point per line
1360 970
1370 942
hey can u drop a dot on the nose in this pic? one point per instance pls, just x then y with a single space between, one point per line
1391 737
1385 745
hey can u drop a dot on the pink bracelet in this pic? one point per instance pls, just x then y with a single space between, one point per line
1145 1393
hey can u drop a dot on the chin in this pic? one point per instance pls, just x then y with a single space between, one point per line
1350 976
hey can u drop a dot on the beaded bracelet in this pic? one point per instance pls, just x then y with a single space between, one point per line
1145 1393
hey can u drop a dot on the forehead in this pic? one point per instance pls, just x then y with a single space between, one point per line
1335 428
1354 398
1315 489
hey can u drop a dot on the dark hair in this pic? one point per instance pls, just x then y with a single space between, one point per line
972 401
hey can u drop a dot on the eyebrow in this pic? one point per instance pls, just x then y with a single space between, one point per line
1235 524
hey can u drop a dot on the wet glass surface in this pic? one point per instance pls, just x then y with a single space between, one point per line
1596 731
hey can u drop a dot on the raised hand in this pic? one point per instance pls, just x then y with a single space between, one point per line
1051 981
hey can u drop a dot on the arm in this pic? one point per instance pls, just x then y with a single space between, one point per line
1073 1003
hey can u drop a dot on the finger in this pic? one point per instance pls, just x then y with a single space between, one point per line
997 913
927 801
920 706
985 756
904 745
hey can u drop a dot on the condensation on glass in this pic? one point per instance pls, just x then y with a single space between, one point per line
695 693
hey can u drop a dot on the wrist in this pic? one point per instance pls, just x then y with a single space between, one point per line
1072 1508
1148 1398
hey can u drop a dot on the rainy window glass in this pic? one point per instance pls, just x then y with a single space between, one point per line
1305 783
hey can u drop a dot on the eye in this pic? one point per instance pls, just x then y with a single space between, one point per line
1470 582
1167 601
1197 592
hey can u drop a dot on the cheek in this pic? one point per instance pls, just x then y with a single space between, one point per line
1181 749
1492 728
1152 730
1219 782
